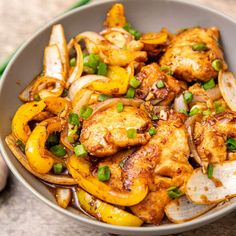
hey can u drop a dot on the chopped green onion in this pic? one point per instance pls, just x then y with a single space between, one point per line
152 131
166 69
134 82
174 192
103 97
58 150
206 112
217 64
104 173
122 163
73 62
209 84
52 140
219 107
102 69
160 84
119 107
188 97
131 133
64 93
199 47
137 35
185 112
194 111
231 144
130 93
37 98
154 117
73 119
72 134
57 168
80 150
92 61
86 111
210 169
20 145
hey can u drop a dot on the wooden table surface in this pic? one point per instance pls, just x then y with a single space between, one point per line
21 213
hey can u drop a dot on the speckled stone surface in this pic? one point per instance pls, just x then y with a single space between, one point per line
21 213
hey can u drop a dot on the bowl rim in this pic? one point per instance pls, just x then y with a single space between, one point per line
161 229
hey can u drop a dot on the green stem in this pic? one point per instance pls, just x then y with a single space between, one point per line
5 62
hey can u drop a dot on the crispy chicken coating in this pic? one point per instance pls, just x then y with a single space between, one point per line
210 135
105 132
149 76
189 64
162 162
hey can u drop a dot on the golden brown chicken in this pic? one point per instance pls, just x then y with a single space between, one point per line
210 135
191 53
105 132
163 163
162 93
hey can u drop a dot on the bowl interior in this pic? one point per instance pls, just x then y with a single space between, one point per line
144 15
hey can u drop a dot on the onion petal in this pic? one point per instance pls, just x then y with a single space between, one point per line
179 104
182 210
63 196
227 84
203 190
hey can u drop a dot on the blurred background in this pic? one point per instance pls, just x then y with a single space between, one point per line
21 213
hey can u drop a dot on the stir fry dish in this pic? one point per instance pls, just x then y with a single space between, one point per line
131 127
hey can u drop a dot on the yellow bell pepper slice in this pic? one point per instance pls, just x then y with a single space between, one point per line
106 212
35 151
79 168
118 83
154 38
23 115
115 16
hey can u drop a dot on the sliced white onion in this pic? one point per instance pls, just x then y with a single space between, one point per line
63 196
179 104
227 84
182 210
116 29
189 124
110 102
203 190
84 82
93 36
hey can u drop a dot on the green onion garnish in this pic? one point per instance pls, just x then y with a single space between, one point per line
57 168
199 47
206 112
102 69
131 133
20 145
86 111
52 140
134 82
73 119
185 112
188 97
166 69
137 35
80 150
154 117
209 84
194 111
72 62
174 192
219 107
217 64
152 131
37 98
103 97
92 61
231 144
130 93
210 169
160 84
119 107
104 173
58 150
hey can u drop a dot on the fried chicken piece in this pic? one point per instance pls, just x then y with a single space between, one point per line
162 162
105 132
190 65
149 75
210 136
